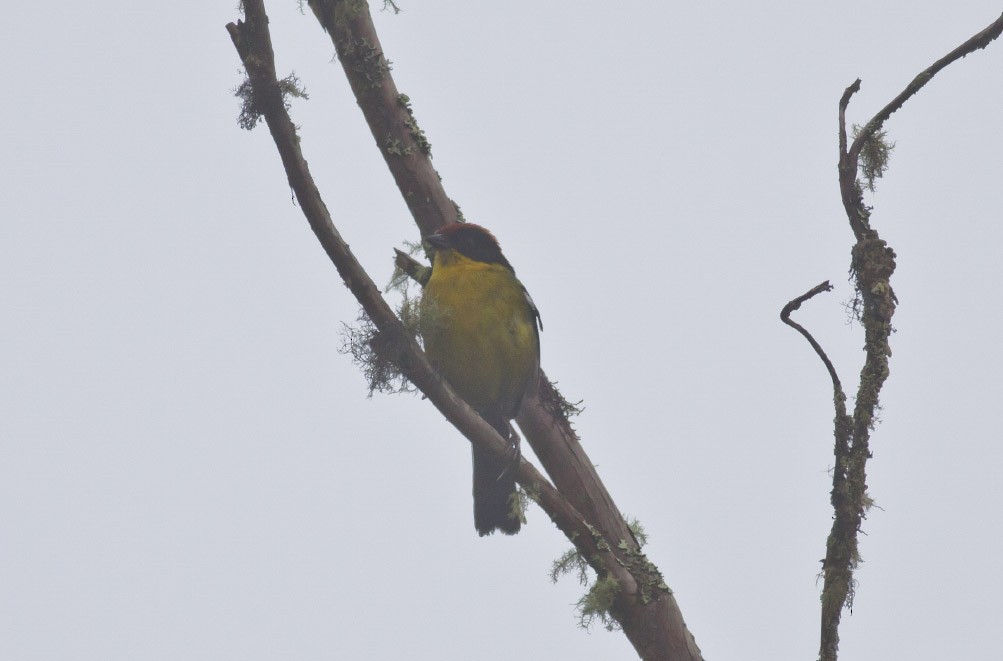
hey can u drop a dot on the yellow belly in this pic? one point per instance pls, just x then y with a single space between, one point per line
480 333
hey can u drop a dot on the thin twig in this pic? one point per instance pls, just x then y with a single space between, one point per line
844 101
872 265
785 316
840 554
977 42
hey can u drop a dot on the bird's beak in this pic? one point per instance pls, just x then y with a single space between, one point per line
437 241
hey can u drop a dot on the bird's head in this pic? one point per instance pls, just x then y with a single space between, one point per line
472 241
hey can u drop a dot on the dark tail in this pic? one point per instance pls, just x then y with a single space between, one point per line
494 482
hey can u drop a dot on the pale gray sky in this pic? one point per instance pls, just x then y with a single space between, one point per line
190 470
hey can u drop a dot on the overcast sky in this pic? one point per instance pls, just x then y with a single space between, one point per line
189 468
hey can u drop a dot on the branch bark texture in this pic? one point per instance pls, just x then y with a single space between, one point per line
872 265
252 40
579 505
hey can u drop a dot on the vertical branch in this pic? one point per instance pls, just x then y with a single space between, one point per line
841 545
872 265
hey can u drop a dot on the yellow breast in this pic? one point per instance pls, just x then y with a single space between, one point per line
480 332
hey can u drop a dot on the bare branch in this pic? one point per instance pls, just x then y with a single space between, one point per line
841 551
977 42
841 546
388 113
872 265
785 316
412 267
844 101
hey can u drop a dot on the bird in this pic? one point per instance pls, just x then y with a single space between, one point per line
481 332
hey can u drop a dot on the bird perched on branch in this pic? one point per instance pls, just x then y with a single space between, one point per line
480 330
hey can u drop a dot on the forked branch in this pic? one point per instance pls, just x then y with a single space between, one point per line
872 265
646 610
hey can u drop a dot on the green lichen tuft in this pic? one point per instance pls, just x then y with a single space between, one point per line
396 146
371 351
874 155
417 134
597 604
518 502
598 600
372 64
252 108
638 531
570 562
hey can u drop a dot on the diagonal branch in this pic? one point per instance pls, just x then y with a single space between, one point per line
253 44
646 610
649 614
977 42
394 128
391 120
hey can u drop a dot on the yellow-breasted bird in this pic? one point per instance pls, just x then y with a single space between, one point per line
479 327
